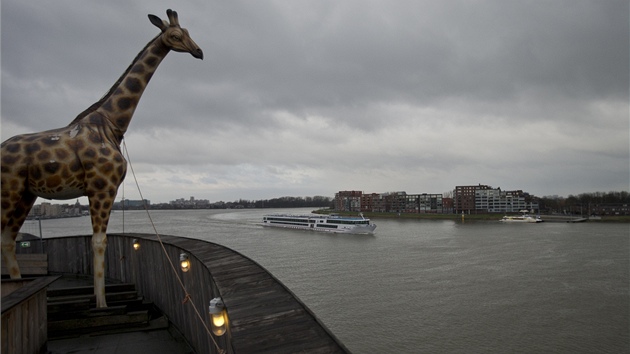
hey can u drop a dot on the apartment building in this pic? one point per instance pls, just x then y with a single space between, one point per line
485 199
391 202
348 201
464 198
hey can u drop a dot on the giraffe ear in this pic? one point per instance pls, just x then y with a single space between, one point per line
158 22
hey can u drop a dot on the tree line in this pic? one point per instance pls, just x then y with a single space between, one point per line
584 199
290 202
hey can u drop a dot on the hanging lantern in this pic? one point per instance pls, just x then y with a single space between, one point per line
136 244
184 262
218 316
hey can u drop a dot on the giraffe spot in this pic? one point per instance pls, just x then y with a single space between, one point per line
75 144
106 151
124 103
53 181
96 119
99 183
61 154
137 69
43 155
133 85
32 148
75 166
112 192
122 121
90 152
107 168
107 205
151 61
15 272
12 148
148 76
104 215
65 173
4 168
99 274
5 204
108 106
51 167
95 138
10 159
101 251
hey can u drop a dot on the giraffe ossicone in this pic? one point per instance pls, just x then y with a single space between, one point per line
83 158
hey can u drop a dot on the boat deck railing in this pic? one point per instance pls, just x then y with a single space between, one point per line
263 315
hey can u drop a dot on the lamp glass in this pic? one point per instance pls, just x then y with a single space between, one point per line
218 317
136 245
184 262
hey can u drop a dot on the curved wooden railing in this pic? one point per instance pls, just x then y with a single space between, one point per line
263 314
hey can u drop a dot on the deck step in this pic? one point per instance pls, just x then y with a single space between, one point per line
72 312
84 325
89 290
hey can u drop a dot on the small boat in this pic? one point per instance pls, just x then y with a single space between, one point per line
524 217
323 223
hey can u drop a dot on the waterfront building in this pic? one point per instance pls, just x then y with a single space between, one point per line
128 204
464 198
348 200
391 202
485 199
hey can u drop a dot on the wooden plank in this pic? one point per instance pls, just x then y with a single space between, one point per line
94 323
88 290
25 292
119 296
30 264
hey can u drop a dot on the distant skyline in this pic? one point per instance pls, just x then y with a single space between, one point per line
299 98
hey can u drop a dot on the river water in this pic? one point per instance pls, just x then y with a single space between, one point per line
423 286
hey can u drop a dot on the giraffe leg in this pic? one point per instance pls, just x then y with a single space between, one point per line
13 216
99 245
100 207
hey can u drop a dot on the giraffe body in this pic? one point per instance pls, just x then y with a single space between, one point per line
83 158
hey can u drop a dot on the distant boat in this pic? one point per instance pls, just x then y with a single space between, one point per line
322 223
523 218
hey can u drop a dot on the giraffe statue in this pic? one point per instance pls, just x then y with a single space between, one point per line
83 158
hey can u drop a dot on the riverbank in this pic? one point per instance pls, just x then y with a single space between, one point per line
478 217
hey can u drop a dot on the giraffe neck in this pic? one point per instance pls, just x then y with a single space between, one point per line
120 102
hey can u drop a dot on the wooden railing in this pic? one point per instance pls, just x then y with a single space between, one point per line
263 314
24 315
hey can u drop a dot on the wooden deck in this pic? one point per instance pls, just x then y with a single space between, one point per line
264 316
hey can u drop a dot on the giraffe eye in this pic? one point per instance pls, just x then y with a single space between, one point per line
176 37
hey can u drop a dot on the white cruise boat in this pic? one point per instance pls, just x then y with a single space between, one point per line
523 218
323 223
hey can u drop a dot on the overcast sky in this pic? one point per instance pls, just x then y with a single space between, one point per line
305 98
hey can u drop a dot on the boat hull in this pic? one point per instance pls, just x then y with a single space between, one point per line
521 219
320 223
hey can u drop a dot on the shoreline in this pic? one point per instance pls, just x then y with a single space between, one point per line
474 217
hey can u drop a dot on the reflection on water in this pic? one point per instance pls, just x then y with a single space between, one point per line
430 286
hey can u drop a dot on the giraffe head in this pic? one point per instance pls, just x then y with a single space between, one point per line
175 37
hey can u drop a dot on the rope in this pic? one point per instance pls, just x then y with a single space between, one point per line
187 297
